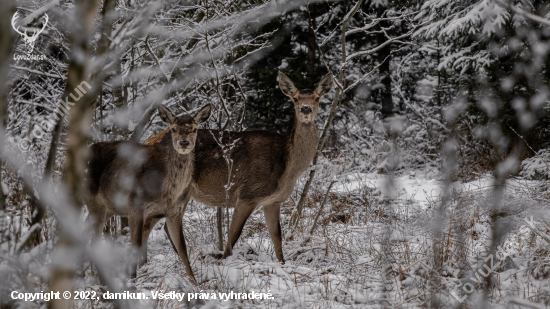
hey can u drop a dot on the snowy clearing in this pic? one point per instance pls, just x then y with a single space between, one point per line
341 267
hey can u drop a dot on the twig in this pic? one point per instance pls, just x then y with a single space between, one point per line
522 139
155 58
37 72
379 47
319 212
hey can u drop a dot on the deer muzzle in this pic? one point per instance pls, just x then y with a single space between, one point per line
183 147
306 110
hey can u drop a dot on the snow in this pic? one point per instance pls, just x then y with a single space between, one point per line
421 187
417 186
536 166
341 266
315 274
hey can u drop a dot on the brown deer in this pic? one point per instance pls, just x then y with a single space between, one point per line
265 165
145 182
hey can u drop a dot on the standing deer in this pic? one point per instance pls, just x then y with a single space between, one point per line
265 165
145 182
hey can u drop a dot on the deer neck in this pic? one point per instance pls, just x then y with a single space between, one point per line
301 147
179 168
175 160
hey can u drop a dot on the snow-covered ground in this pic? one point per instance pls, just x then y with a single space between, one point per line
374 246
423 187
344 264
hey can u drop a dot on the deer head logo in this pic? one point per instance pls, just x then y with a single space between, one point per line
29 40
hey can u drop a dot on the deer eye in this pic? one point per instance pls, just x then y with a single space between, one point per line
194 131
295 100
317 100
173 130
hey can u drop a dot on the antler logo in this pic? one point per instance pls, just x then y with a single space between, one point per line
29 40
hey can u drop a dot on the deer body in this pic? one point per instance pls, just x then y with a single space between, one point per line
265 167
145 183
156 184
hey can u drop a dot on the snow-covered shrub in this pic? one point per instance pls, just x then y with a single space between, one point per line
537 167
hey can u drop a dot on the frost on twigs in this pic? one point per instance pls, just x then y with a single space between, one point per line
537 167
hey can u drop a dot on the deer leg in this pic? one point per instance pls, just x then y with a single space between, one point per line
135 219
240 215
183 199
174 227
169 238
148 226
272 213
98 216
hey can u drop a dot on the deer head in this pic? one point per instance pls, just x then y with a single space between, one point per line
29 40
184 128
306 102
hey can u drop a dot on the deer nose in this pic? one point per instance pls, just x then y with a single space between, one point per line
306 110
184 143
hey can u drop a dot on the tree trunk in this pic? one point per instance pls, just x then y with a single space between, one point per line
37 212
119 99
384 70
66 253
52 153
6 48
219 223
311 44
124 223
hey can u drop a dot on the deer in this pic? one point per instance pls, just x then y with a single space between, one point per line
145 183
265 166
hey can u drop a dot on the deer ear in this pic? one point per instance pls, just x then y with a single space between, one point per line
203 114
325 85
286 85
166 115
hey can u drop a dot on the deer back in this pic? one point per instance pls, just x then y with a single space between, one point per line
258 161
126 172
